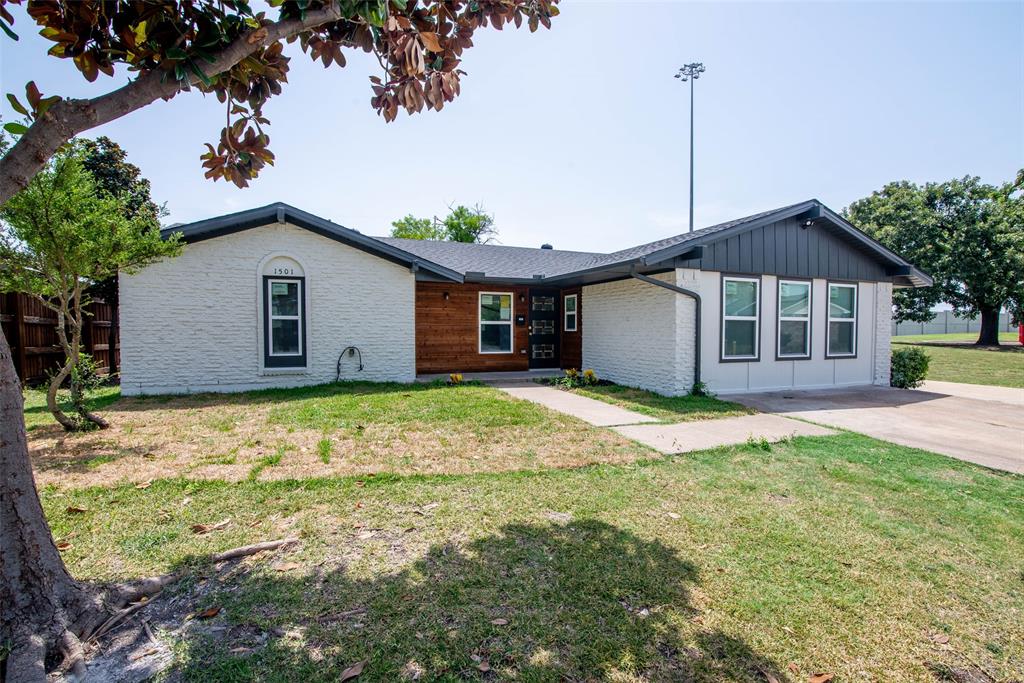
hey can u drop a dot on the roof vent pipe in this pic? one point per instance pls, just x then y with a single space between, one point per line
546 246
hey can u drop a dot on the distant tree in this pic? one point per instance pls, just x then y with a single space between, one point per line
470 225
57 237
414 228
462 224
114 176
967 235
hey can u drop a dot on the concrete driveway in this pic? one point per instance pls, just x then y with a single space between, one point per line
980 424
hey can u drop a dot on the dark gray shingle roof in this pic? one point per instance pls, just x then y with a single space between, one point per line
495 260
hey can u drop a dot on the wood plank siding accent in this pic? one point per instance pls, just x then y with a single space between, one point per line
30 328
447 332
448 336
572 342
787 248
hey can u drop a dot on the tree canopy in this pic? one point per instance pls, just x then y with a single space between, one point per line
57 237
462 224
227 48
968 235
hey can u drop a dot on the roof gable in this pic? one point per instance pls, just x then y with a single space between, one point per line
279 212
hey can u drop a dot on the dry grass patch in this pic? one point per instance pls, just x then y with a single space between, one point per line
334 430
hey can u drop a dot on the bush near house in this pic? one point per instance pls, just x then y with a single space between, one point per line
909 368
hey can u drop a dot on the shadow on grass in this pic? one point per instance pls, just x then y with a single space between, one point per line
580 601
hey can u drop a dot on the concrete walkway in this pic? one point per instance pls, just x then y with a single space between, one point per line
728 431
589 410
667 438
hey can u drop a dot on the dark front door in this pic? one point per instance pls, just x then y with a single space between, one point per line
544 311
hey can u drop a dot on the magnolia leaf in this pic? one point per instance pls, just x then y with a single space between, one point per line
75 510
15 128
144 484
353 671
16 105
286 566
63 545
208 613
499 622
821 678
431 41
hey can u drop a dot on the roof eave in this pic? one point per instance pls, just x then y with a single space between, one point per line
284 213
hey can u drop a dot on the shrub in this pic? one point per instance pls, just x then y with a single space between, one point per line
574 378
909 368
702 389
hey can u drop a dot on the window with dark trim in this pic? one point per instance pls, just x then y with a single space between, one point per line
794 334
841 335
570 312
284 322
741 318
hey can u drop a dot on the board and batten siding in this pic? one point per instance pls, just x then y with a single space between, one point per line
640 335
194 323
787 248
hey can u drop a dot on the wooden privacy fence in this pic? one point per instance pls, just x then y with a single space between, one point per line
30 328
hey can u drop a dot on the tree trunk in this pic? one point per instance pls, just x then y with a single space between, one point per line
41 606
989 335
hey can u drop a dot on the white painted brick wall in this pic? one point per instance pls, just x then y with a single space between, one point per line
883 333
639 334
192 323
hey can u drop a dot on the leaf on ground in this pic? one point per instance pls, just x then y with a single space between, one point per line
768 675
208 613
821 678
75 510
484 666
672 515
207 528
145 653
63 545
499 622
286 566
940 638
353 671
144 484
793 667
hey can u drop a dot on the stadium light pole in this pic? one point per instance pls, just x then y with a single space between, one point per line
691 72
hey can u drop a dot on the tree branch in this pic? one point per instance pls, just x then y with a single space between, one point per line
69 117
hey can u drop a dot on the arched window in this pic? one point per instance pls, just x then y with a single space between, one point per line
284 314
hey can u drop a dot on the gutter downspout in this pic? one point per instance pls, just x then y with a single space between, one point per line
696 298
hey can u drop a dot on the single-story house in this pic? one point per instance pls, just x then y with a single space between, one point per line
275 296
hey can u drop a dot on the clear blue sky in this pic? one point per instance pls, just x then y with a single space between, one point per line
578 135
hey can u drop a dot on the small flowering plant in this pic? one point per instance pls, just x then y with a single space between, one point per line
455 379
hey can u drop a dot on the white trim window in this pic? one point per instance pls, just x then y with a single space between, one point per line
794 338
495 322
842 321
570 313
741 318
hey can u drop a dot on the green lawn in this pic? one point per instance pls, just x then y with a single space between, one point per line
999 367
840 554
970 337
665 408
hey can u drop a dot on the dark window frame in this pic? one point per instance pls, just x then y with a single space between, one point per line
778 318
856 318
756 358
285 362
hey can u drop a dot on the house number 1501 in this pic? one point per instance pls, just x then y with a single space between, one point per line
284 271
